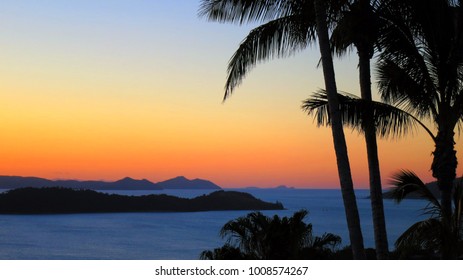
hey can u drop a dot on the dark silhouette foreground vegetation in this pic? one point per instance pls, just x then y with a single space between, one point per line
259 237
419 60
438 236
63 200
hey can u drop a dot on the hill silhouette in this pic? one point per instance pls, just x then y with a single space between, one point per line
180 182
65 200
127 183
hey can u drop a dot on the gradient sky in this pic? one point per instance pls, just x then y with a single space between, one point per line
103 89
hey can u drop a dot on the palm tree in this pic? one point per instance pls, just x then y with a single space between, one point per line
259 237
345 176
360 27
421 72
431 235
288 26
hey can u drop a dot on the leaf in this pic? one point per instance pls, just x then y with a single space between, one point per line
389 120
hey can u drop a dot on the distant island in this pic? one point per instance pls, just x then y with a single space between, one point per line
281 187
58 200
14 182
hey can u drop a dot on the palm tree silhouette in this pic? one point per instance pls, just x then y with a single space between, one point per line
420 72
360 27
339 141
431 235
289 26
260 237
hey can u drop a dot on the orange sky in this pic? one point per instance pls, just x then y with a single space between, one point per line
131 88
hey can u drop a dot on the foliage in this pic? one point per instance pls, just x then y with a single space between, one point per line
389 121
426 238
259 237
420 72
226 252
287 26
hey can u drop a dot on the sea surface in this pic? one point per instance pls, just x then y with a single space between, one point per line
179 236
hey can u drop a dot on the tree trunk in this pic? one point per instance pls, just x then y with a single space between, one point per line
444 167
376 192
345 177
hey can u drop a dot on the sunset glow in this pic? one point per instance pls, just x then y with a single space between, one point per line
109 89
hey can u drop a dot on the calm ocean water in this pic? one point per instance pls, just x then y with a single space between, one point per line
179 235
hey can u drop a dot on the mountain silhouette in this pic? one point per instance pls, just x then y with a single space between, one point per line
127 183
181 182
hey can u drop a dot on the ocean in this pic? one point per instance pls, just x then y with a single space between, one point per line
180 236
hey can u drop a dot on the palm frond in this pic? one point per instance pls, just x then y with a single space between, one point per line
247 233
326 240
359 26
421 65
225 252
277 38
428 235
237 233
299 216
421 235
243 11
405 74
408 182
207 255
389 120
400 89
341 39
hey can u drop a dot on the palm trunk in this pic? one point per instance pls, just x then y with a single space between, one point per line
444 167
345 177
376 192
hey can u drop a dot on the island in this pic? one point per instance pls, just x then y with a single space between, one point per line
127 183
59 200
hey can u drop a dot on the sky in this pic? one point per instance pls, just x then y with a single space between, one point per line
104 89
